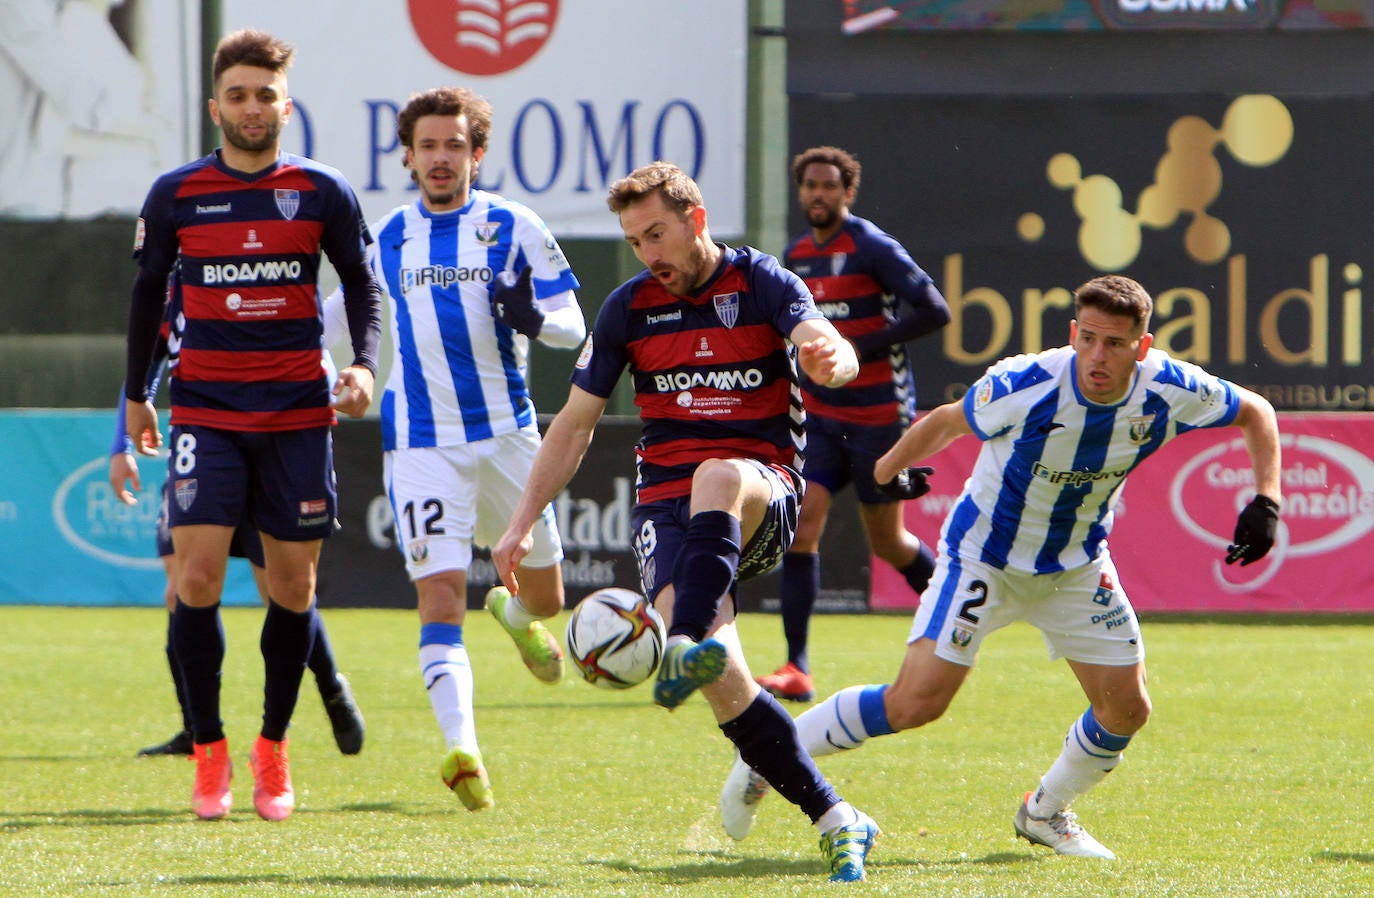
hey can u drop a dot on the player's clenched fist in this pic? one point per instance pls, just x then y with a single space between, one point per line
1255 529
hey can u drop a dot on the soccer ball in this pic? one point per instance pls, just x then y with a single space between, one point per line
615 638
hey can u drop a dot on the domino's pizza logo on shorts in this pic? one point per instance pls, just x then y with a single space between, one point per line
483 37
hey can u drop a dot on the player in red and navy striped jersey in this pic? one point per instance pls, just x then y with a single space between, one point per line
344 717
866 283
704 333
244 229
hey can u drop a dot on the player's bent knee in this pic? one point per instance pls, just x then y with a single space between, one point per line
1124 716
906 712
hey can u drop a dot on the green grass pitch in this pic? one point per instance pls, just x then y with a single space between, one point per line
1252 779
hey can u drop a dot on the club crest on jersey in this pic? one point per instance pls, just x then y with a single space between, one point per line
486 232
727 308
288 202
837 262
1141 428
185 492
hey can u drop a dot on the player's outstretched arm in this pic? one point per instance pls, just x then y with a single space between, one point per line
559 456
927 436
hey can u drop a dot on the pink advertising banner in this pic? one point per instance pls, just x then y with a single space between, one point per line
1179 509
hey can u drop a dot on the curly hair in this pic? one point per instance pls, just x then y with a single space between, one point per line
452 101
849 167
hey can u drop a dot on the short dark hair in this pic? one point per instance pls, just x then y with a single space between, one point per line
679 191
849 167
1115 294
454 101
248 46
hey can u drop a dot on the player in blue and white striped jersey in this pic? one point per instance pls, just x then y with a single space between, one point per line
1027 539
469 278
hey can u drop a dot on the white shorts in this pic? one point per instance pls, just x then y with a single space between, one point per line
448 499
1083 614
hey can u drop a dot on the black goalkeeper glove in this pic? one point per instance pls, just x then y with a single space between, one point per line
1255 530
513 303
910 483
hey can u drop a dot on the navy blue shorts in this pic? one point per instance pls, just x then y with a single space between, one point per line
839 454
246 542
280 481
659 528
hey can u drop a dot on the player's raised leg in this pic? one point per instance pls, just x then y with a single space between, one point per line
523 616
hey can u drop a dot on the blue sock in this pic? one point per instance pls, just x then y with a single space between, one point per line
846 720
704 572
767 741
285 644
198 642
801 582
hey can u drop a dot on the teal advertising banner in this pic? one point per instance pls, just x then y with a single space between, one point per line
65 539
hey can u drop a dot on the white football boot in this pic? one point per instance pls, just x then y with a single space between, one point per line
739 799
1059 831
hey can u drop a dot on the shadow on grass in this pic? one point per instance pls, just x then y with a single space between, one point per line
722 866
523 707
10 821
1359 857
399 882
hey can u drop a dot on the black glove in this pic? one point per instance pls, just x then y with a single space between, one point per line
513 303
908 484
1254 531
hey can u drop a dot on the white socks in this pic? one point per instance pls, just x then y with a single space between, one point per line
1090 753
844 721
448 680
